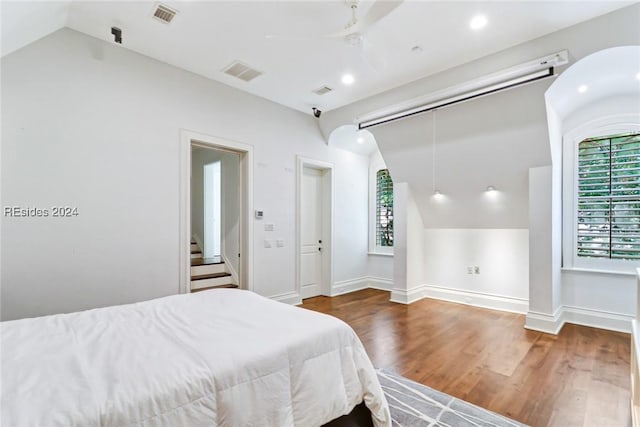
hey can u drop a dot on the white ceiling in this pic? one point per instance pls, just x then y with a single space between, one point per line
206 36
606 73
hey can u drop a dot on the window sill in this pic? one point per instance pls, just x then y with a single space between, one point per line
380 254
597 271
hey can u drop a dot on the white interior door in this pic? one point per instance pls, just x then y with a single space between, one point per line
311 231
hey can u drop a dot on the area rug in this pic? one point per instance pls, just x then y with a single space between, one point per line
414 405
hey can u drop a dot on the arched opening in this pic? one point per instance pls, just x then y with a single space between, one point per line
597 96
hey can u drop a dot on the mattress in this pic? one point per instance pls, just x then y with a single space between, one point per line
220 357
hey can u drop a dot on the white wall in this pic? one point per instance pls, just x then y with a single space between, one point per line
408 246
489 141
230 176
380 267
543 286
501 254
602 299
93 125
494 140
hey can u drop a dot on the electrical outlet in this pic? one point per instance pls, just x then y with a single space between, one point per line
469 270
476 269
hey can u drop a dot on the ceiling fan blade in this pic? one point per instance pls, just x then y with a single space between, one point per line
378 10
372 57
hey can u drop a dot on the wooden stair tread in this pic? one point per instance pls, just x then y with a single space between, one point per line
214 287
206 261
210 276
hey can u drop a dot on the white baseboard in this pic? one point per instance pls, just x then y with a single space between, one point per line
597 319
366 282
346 286
476 299
579 316
292 298
380 283
407 296
542 322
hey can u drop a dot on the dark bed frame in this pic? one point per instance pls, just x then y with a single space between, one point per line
359 417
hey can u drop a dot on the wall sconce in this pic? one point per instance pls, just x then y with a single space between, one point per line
491 189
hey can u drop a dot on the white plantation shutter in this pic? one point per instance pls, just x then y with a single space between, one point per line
609 197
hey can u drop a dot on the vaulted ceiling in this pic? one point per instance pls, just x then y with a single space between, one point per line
284 40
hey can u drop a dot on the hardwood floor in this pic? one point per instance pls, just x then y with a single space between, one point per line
486 357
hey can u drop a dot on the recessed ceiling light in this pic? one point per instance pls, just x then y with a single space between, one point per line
478 22
583 88
348 79
360 140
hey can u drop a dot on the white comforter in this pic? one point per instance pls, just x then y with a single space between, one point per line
220 357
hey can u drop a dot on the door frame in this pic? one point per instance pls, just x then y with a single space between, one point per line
327 215
188 139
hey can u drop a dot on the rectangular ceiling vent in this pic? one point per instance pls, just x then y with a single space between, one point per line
242 71
322 90
164 13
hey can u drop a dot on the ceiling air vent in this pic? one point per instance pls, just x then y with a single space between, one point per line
164 13
241 71
322 90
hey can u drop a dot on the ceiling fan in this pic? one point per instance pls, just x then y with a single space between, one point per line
354 32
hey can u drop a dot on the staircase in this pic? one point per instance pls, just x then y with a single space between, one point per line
208 273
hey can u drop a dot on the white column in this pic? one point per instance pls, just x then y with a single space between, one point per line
408 247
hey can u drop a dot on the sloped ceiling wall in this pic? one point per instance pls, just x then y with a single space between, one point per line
489 141
24 22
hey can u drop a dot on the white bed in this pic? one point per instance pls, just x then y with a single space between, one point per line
219 357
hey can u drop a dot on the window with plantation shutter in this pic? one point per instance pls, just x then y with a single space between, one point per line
384 209
608 199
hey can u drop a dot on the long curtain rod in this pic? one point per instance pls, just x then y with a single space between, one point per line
507 84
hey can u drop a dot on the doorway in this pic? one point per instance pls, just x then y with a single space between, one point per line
215 218
315 228
216 190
